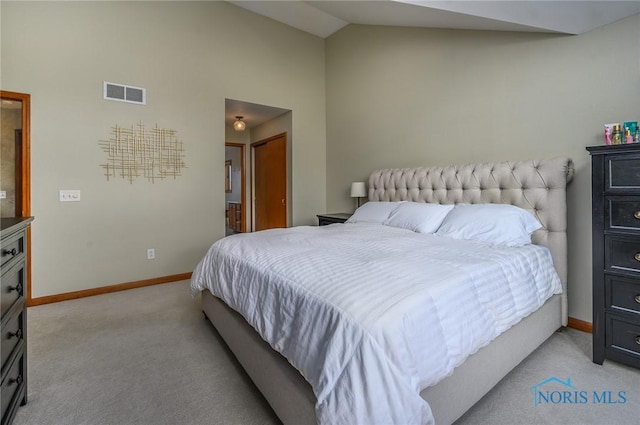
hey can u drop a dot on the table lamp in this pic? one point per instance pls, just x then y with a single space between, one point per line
358 191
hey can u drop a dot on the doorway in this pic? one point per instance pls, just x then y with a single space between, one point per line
15 193
262 124
15 155
270 182
234 187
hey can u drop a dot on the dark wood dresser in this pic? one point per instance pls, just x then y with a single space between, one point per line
13 249
615 173
324 219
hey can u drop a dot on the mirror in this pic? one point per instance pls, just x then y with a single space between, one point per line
227 176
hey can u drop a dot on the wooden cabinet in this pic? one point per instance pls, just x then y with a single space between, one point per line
235 216
324 219
13 327
615 173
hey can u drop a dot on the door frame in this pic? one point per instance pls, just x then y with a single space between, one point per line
286 174
243 212
25 191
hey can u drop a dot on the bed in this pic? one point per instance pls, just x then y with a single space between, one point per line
538 186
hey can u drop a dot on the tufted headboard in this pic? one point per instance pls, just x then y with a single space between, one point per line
539 186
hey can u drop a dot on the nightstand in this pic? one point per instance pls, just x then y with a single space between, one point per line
324 219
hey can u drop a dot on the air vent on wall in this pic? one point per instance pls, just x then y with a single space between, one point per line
122 93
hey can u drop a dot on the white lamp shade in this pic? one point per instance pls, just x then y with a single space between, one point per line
358 190
239 125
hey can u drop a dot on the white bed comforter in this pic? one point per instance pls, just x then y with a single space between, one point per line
372 314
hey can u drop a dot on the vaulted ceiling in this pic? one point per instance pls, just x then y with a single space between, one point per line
323 18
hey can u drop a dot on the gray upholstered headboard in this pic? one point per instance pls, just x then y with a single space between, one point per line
538 186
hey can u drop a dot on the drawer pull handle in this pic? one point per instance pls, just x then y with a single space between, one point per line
17 288
637 215
638 340
17 334
637 298
17 380
637 256
11 252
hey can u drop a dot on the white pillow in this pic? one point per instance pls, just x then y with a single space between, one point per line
373 212
418 216
497 224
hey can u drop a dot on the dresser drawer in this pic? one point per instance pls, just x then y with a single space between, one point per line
12 335
11 248
623 212
622 172
623 294
12 287
12 386
623 335
13 313
622 253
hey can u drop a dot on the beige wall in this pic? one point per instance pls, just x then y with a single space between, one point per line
189 56
400 97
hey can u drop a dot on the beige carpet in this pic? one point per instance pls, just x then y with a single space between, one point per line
143 356
147 356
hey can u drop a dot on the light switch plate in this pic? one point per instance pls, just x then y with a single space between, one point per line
69 196
3 194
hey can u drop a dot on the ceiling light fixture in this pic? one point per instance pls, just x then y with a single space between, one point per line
238 124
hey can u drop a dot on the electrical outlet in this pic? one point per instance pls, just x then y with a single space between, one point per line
151 254
3 194
69 195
